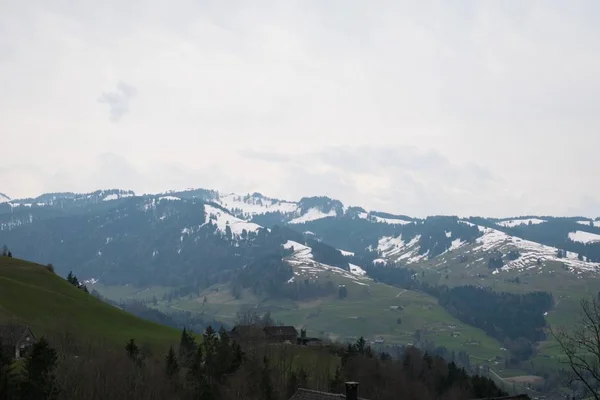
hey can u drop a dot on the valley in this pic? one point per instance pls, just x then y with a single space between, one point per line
340 272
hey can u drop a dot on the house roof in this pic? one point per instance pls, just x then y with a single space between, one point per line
307 394
281 330
245 330
11 333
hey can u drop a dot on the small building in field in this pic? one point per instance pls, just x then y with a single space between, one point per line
16 340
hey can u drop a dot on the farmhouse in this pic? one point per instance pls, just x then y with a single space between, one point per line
16 340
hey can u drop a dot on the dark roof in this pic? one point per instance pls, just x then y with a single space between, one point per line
246 329
281 330
307 394
11 333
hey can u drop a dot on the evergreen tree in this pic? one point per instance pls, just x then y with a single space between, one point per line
9 254
133 351
187 348
210 345
195 370
266 386
337 381
172 367
4 250
361 344
224 355
7 378
38 376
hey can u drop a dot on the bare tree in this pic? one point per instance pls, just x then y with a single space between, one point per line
581 346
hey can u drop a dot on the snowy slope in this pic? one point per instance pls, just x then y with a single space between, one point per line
511 223
392 221
312 215
491 242
255 204
304 265
590 223
494 240
584 237
222 219
4 198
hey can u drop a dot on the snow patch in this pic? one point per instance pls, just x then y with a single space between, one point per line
356 270
303 263
313 214
456 244
222 219
391 221
590 223
250 205
392 246
584 237
346 253
168 198
521 221
531 252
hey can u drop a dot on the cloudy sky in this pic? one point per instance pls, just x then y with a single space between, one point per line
416 107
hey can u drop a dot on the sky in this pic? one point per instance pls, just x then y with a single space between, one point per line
414 107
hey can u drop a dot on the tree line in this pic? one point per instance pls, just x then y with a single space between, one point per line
212 366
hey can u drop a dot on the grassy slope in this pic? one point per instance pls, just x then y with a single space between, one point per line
366 311
33 295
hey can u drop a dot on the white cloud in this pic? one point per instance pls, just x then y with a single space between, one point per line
507 86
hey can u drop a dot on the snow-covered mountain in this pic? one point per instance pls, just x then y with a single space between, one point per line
4 198
515 243
494 249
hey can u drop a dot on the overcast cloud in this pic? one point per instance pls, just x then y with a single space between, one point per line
420 107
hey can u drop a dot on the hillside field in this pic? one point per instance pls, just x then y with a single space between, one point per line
32 295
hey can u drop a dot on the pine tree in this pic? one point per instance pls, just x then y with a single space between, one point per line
133 351
38 378
224 355
361 343
7 378
172 367
336 382
209 341
266 386
187 348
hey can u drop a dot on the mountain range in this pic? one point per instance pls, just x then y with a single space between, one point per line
337 270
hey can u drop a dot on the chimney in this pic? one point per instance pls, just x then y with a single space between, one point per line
351 390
